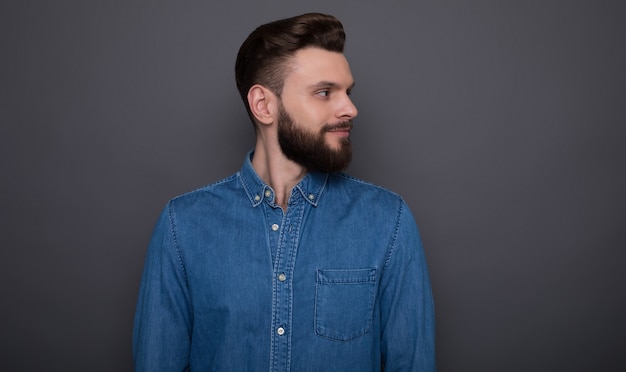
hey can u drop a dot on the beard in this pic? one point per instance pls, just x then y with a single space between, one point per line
309 149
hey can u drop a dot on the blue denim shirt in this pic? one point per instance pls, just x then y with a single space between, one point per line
337 282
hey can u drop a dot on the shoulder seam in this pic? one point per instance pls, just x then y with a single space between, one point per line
366 183
209 186
394 239
176 246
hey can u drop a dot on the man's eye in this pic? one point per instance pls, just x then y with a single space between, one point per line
323 93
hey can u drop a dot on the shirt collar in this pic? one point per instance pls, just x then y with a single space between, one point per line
311 187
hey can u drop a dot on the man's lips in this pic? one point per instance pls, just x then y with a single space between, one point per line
340 132
341 128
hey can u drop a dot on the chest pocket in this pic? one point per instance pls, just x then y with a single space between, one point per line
344 303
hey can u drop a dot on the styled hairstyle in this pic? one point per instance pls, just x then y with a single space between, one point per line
263 56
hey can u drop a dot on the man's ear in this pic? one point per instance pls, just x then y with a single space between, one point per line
261 101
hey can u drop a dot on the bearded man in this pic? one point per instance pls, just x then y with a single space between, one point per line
289 264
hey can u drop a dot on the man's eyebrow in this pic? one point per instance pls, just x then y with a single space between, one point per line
328 84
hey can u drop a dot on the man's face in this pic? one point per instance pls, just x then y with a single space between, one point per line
315 113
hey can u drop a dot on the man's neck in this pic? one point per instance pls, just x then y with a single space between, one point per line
280 173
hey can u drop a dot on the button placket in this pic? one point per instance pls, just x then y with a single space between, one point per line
283 270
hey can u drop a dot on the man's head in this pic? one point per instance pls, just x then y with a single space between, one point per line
292 73
263 56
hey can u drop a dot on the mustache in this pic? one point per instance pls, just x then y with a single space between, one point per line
338 126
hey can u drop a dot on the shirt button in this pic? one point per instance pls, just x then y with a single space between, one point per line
280 331
257 198
268 193
274 227
311 196
282 277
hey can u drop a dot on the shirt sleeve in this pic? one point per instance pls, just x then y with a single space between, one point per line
407 310
163 318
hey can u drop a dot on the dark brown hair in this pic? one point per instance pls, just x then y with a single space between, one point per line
264 54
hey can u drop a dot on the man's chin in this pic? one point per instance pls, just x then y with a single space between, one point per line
337 144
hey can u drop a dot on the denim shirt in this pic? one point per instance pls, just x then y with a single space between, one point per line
336 282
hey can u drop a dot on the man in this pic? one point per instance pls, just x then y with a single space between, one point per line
288 265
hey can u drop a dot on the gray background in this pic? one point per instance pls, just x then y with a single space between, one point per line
500 122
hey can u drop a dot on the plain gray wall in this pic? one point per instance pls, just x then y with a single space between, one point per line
500 122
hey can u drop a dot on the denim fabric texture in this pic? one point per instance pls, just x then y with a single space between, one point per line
338 282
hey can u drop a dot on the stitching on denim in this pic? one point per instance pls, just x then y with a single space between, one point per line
207 187
318 192
176 246
358 180
367 275
329 333
295 242
323 187
244 184
246 188
394 240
